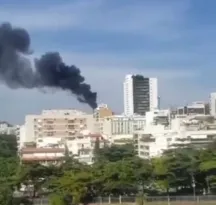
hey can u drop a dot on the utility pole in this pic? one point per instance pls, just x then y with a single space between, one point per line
194 186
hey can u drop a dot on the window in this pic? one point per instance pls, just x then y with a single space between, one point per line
50 133
49 121
71 126
144 153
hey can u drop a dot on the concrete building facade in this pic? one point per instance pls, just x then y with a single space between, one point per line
183 130
63 129
213 104
57 123
140 94
196 108
100 113
120 128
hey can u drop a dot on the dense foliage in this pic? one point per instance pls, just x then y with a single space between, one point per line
8 167
116 171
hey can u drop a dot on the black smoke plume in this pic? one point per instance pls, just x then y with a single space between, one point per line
49 71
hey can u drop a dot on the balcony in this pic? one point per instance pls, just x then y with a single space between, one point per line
42 154
34 150
147 140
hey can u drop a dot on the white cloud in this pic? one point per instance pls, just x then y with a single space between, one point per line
105 65
148 17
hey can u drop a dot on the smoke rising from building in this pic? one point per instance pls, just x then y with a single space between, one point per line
50 71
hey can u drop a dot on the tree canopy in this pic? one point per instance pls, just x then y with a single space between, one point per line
116 171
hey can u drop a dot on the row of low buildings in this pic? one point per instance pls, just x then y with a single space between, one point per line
183 130
53 150
47 137
55 130
8 129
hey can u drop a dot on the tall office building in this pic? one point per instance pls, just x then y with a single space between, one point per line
140 94
213 104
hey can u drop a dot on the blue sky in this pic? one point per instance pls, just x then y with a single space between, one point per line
173 40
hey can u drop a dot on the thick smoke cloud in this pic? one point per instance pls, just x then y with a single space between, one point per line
49 71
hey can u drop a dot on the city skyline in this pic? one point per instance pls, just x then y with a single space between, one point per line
172 41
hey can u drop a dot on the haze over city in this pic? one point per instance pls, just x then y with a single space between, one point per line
107 39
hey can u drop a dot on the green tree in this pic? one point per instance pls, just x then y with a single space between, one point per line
183 168
115 152
142 171
35 177
6 194
208 167
75 184
8 145
118 178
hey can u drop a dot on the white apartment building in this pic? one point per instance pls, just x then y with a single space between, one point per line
128 95
56 123
196 108
82 146
8 129
158 117
60 129
213 104
197 131
140 94
153 94
153 144
21 136
120 128
52 150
